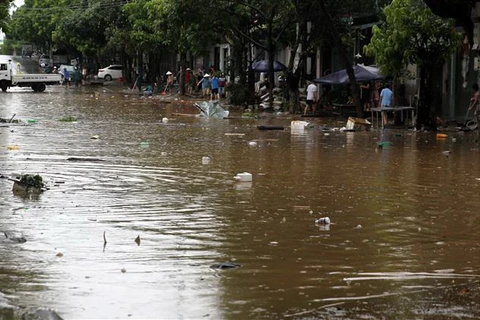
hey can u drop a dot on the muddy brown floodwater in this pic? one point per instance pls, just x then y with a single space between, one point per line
402 243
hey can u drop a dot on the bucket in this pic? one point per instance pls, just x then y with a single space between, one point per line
243 177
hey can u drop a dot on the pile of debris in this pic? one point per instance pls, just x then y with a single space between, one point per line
211 109
278 99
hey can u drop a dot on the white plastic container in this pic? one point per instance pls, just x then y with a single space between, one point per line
299 125
243 177
206 160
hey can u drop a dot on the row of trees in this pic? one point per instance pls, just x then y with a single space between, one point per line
150 28
93 29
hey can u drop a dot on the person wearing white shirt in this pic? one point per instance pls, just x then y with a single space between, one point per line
312 98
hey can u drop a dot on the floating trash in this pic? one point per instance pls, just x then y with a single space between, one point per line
243 177
252 143
384 144
442 136
211 109
144 145
225 265
206 160
234 134
164 120
297 125
325 220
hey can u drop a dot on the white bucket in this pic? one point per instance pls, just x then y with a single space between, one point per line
243 177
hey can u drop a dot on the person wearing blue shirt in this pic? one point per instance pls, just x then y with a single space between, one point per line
214 85
205 81
386 101
66 77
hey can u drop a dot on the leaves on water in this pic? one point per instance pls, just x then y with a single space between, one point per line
32 181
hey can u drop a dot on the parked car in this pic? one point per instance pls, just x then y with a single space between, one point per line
113 71
44 61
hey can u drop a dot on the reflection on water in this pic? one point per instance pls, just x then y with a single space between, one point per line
402 242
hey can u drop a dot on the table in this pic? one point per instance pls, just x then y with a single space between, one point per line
378 111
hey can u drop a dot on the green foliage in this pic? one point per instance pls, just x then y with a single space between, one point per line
4 15
31 180
9 46
238 94
411 33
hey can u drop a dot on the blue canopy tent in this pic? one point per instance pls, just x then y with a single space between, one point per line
262 66
362 74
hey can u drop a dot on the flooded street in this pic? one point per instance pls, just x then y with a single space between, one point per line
403 242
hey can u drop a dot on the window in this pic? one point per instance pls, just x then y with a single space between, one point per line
3 66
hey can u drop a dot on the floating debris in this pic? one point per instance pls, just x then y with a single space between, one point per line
225 265
211 109
243 177
384 144
325 220
15 239
137 240
68 119
28 183
84 159
269 127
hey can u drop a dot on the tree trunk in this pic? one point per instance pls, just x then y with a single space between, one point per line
336 36
426 118
293 95
183 59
